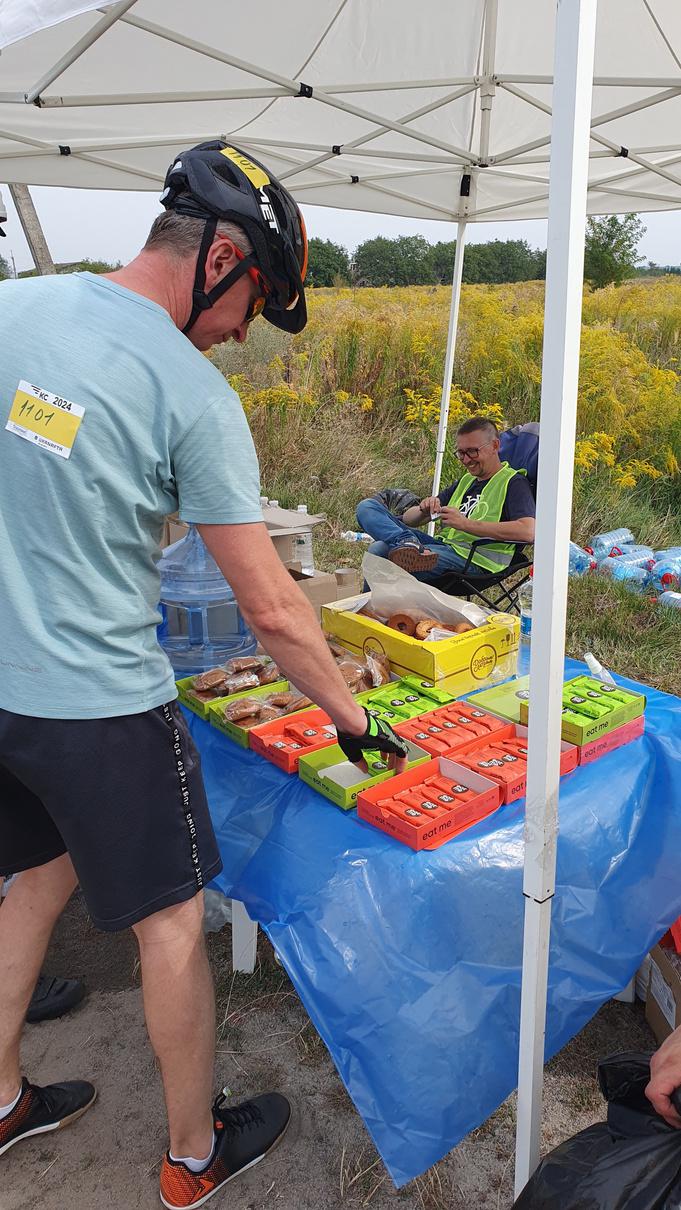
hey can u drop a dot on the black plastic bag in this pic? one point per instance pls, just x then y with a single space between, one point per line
397 499
630 1162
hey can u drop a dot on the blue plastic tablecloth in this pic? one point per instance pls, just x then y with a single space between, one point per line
409 963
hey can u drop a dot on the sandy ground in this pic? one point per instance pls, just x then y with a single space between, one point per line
110 1158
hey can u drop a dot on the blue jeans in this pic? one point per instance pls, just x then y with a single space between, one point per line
388 531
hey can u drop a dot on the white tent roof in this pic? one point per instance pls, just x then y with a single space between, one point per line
396 112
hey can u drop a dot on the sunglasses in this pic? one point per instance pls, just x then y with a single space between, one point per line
257 305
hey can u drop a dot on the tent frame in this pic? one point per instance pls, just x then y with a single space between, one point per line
567 151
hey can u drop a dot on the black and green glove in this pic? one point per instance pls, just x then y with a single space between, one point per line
378 737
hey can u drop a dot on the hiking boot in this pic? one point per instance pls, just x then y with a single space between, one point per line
413 558
244 1135
53 997
40 1110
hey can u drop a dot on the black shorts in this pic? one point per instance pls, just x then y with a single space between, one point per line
123 796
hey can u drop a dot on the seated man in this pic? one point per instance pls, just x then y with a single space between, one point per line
491 500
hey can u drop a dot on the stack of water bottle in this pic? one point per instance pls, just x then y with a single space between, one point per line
639 568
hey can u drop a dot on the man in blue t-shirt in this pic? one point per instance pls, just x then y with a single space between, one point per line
111 420
491 500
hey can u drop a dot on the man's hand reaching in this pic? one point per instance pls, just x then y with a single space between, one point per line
665 1078
378 737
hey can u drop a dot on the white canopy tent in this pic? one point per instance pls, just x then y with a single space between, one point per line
437 111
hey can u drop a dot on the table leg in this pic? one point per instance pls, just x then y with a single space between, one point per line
244 939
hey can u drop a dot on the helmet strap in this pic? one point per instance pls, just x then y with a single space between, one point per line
200 300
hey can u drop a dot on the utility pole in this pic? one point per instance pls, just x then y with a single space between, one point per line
30 222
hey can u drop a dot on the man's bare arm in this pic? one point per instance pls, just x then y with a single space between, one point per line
282 618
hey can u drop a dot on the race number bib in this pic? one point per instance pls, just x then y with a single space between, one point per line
44 419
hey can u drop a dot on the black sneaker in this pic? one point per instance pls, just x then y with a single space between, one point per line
53 997
40 1110
244 1135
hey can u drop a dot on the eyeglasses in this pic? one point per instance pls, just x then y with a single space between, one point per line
257 305
472 453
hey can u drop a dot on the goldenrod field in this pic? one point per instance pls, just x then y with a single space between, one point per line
352 403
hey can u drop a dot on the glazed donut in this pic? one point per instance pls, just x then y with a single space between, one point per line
402 622
424 628
462 627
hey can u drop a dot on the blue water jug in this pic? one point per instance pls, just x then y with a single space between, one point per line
202 624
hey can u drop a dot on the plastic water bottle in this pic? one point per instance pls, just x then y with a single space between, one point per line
202 624
602 544
666 575
635 552
672 599
673 552
525 602
596 668
610 566
304 548
351 535
579 561
634 578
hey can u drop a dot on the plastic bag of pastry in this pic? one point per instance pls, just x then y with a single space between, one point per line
265 715
351 671
241 681
282 700
446 632
269 673
337 651
212 679
394 590
244 663
300 702
203 695
378 665
242 708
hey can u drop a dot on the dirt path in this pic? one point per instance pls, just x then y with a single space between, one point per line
110 1158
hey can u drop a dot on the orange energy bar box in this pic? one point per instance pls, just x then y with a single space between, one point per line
285 740
453 728
429 804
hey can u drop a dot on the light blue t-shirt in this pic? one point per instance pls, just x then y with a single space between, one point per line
160 430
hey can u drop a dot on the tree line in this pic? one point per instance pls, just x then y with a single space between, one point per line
610 255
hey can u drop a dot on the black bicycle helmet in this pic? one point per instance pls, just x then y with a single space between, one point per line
217 182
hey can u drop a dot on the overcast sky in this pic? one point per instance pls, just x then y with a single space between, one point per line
108 225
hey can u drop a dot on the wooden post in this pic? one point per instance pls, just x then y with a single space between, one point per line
30 222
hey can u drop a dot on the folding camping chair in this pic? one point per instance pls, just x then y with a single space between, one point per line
499 589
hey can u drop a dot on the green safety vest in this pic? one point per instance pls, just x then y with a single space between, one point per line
493 556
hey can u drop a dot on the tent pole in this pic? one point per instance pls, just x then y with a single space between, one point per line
573 72
449 356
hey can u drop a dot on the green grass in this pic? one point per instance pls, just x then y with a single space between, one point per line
331 457
630 634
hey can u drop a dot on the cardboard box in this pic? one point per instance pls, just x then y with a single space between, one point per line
184 693
431 832
588 709
319 588
241 735
314 770
397 701
663 1005
454 728
285 740
349 581
284 525
173 531
611 740
460 664
491 750
505 699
